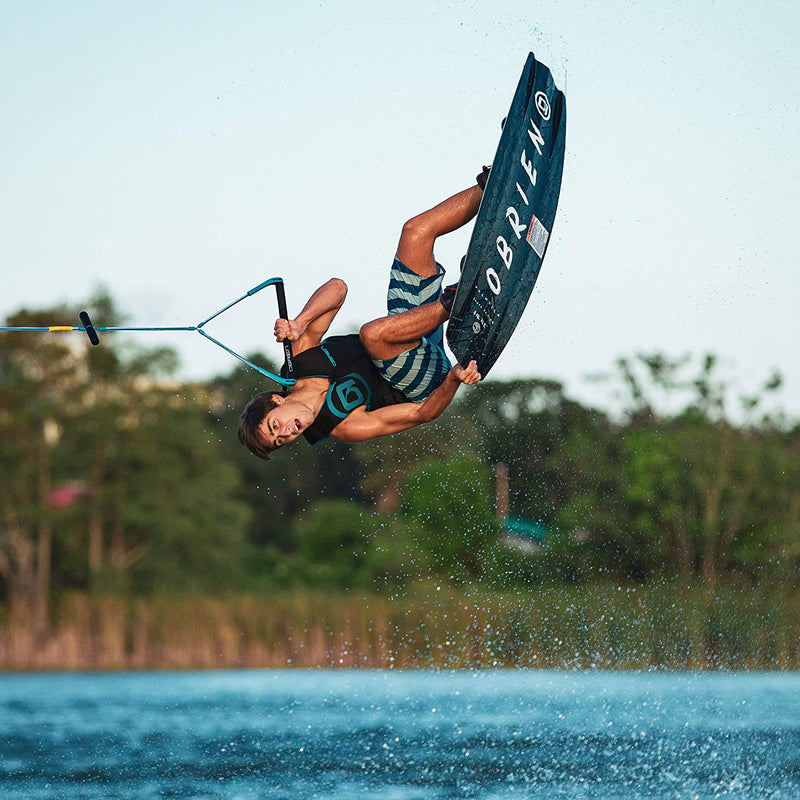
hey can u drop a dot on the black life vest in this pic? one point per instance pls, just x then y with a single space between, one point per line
354 381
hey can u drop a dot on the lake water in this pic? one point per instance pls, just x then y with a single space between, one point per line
400 735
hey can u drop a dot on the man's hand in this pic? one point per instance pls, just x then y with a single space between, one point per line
289 329
311 324
466 375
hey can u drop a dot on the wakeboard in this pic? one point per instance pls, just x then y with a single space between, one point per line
514 222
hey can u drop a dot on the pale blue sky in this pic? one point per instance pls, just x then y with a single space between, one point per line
180 153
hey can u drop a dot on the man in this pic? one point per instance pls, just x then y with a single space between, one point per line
391 376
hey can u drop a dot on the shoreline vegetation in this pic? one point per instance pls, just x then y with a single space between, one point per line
667 627
523 528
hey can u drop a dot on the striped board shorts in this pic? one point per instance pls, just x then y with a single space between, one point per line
416 372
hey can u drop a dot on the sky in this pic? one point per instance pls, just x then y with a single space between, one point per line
180 153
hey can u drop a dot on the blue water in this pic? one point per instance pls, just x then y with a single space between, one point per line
400 735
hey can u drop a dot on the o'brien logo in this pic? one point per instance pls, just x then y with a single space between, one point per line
348 393
542 105
538 235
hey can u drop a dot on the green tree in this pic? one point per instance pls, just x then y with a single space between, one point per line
696 493
333 537
547 440
451 502
41 382
175 519
384 462
344 544
154 498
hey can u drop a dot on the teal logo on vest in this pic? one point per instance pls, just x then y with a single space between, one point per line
348 393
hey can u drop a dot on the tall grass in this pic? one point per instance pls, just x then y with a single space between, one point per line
669 626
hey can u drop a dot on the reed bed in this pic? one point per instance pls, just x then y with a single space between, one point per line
669 626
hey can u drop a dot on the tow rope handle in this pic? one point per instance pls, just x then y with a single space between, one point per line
94 331
287 345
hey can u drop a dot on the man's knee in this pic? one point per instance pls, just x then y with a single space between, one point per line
417 230
375 336
370 334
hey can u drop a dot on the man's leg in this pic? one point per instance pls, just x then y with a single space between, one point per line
387 337
415 249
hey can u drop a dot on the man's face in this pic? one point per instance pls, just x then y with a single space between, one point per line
285 422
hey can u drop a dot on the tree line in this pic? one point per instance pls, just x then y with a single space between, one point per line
115 477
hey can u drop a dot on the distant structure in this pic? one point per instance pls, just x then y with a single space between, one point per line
522 534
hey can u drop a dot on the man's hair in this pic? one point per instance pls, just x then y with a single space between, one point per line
250 421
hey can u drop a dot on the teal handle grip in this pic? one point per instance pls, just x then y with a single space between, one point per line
264 285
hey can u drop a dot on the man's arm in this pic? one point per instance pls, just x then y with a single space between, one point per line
361 424
310 325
